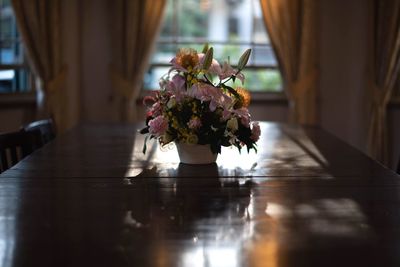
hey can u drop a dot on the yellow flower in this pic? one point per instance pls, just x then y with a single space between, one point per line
194 107
244 98
175 123
187 58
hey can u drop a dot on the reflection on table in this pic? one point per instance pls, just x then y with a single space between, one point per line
91 198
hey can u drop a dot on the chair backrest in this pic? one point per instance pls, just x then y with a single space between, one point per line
46 128
14 146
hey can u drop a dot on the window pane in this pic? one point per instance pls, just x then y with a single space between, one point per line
163 53
5 3
169 24
14 80
263 56
229 26
11 52
263 80
152 77
14 75
10 46
192 19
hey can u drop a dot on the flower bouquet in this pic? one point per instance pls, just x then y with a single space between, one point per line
197 104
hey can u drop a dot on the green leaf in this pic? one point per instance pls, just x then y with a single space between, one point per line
144 130
244 59
230 90
205 48
208 58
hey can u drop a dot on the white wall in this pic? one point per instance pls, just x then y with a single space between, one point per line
96 57
344 108
343 52
71 28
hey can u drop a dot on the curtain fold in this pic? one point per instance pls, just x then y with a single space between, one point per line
384 66
135 25
39 23
292 28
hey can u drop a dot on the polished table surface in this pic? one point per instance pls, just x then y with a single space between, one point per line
91 198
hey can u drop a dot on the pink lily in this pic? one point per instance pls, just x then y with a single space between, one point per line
227 71
244 115
215 68
177 87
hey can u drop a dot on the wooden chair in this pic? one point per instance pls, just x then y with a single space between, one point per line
14 146
45 127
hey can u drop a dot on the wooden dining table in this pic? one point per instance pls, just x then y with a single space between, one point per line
92 198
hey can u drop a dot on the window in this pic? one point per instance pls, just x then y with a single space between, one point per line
14 72
230 26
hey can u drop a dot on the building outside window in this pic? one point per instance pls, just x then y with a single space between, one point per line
15 76
230 27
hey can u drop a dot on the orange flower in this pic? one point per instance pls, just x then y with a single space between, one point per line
244 98
187 58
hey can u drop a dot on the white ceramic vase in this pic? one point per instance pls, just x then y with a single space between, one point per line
195 154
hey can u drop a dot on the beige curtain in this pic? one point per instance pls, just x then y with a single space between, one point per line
292 25
39 24
384 71
135 25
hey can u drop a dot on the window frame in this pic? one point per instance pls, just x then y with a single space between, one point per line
18 66
177 41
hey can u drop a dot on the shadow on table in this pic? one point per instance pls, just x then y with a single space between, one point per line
326 156
348 210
